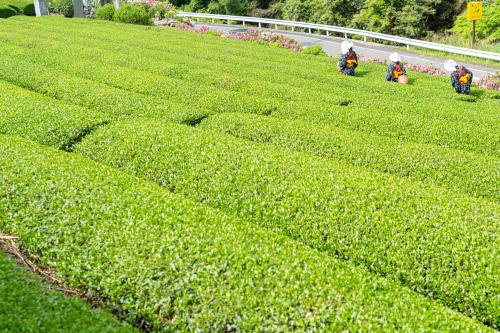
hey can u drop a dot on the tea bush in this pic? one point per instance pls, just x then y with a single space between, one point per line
314 50
43 119
6 12
403 184
344 211
180 266
471 173
444 124
30 305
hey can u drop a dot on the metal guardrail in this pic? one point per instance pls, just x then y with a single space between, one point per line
346 31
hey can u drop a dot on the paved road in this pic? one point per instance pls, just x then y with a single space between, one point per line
331 45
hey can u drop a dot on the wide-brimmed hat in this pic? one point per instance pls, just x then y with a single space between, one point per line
395 57
345 46
450 65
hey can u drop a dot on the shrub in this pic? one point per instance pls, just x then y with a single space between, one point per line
178 266
106 12
342 210
133 13
25 7
451 168
6 12
199 75
29 10
64 7
41 119
29 304
316 50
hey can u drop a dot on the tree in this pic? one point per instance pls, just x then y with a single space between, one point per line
488 28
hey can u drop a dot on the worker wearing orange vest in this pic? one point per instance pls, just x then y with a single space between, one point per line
461 77
348 60
396 69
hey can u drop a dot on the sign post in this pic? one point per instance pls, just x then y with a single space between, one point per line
474 13
40 8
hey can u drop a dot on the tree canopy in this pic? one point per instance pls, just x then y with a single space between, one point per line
412 18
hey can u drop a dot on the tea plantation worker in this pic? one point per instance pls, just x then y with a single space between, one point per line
348 60
396 72
461 77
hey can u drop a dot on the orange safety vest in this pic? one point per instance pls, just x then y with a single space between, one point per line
352 59
397 72
463 76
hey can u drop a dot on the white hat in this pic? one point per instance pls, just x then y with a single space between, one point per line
450 65
395 57
345 46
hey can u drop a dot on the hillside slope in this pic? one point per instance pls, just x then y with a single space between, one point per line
385 196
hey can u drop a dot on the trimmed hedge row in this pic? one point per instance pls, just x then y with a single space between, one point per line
185 267
461 171
29 305
436 242
209 46
480 136
43 119
115 103
25 7
6 11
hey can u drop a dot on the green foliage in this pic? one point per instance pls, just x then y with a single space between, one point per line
465 172
134 13
106 12
6 11
488 28
407 18
63 7
422 135
324 206
25 7
412 18
425 118
40 119
298 10
29 305
316 50
180 266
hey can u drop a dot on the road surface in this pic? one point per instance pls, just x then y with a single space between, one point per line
331 45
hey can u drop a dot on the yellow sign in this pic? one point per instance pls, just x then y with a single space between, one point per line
474 11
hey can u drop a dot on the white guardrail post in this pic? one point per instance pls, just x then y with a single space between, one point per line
346 31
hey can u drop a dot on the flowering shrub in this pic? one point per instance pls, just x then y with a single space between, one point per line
252 35
186 25
491 82
204 29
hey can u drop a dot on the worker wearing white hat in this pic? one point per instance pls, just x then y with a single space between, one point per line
461 77
348 60
396 71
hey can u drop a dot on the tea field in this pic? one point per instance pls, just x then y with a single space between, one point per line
196 183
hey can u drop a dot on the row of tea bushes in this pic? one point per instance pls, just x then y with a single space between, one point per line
180 266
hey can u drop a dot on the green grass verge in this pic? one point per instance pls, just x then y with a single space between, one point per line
185 267
27 304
